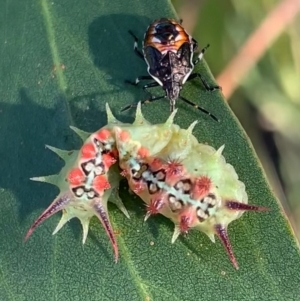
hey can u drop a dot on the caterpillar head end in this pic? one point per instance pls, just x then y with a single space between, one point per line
70 208
85 186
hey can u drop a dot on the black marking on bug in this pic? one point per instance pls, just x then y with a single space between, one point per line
168 51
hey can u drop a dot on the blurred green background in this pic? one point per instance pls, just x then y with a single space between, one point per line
267 99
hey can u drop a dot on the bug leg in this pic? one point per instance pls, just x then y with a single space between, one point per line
194 75
138 79
145 87
134 105
201 54
199 108
135 45
150 85
195 45
204 82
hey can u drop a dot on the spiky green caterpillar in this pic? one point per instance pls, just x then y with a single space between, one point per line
174 174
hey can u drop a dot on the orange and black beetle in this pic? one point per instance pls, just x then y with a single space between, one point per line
168 51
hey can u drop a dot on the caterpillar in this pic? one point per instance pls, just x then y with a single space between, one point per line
176 176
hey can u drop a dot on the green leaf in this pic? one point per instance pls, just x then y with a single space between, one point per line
61 61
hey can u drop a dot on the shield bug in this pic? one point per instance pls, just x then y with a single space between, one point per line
169 53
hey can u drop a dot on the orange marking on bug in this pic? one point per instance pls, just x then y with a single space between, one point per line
170 47
103 135
201 187
143 152
88 151
101 183
171 40
76 176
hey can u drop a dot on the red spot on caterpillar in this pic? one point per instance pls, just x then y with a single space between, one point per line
156 164
76 176
103 135
138 187
143 152
123 136
155 205
101 183
174 172
185 223
174 168
88 151
187 219
201 187
108 160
